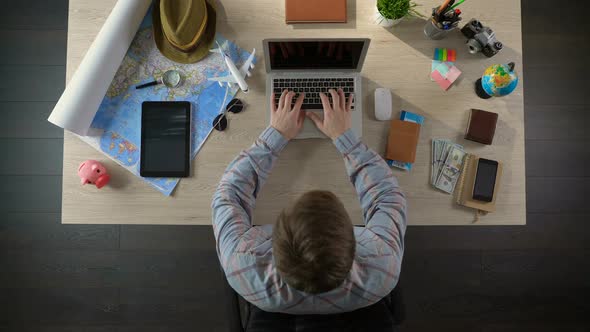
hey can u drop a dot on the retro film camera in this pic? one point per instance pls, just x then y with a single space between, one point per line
481 39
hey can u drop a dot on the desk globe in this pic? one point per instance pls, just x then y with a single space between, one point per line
497 81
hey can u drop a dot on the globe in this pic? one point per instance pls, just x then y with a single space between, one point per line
497 81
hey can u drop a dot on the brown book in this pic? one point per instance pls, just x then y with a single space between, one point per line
466 182
482 126
403 141
315 11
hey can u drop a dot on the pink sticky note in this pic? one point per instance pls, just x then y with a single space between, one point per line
453 74
448 79
437 77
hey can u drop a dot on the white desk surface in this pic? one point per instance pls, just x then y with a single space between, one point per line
398 58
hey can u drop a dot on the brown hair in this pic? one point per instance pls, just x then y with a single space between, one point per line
314 243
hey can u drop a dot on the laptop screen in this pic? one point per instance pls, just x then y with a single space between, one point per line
328 54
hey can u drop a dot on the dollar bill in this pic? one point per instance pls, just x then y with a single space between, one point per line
433 160
440 146
445 183
445 153
449 175
455 158
440 152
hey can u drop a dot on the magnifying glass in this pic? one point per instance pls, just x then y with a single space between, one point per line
171 79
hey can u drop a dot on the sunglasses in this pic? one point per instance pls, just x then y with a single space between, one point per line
235 106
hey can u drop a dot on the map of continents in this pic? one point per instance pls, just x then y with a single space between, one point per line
119 115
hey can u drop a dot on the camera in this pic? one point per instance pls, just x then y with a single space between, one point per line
481 38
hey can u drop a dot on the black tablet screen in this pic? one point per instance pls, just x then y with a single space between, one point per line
165 139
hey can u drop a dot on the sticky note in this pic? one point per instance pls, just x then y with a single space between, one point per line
453 74
443 54
443 69
444 84
445 75
452 54
436 63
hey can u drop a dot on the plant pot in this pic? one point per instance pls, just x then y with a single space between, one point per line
386 22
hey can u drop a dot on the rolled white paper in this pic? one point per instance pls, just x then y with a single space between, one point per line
79 103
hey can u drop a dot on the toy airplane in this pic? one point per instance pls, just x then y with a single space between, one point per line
237 76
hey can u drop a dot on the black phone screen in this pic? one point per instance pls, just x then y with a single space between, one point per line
165 139
485 180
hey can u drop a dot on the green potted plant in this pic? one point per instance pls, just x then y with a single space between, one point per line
391 12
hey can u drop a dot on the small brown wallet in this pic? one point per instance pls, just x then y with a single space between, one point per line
482 126
403 141
315 11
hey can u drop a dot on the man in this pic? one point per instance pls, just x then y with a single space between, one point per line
313 261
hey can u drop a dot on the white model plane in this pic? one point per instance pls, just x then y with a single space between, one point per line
236 76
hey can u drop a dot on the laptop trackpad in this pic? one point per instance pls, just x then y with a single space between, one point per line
310 130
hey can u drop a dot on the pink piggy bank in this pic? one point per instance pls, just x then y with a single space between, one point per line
93 172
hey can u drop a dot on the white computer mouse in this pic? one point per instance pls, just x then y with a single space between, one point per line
383 104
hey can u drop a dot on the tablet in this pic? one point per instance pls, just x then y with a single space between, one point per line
165 139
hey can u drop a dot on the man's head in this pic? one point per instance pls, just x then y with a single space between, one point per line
314 243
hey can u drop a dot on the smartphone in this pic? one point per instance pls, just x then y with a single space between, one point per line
165 139
485 180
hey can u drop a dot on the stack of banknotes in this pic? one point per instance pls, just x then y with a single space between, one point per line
447 160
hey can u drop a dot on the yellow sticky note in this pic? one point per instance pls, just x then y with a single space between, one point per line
444 54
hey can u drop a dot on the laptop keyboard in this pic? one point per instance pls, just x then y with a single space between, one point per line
312 88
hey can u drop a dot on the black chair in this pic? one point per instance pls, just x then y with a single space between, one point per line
384 315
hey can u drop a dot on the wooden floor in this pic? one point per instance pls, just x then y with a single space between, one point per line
133 278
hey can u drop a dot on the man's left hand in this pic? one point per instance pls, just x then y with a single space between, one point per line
288 121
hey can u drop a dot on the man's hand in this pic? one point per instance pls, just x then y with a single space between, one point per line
287 121
336 118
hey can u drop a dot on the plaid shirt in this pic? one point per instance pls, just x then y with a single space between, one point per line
245 252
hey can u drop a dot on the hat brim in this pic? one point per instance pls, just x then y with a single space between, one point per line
176 55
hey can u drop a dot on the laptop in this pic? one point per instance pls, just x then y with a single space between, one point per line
313 66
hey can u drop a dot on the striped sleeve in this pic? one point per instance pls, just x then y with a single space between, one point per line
382 202
238 188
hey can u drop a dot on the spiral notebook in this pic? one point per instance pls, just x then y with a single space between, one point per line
464 190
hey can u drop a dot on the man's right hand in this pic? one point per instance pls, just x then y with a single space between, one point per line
336 119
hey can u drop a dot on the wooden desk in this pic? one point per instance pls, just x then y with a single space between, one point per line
399 59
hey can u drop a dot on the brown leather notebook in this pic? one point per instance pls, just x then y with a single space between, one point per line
482 126
403 141
466 182
315 11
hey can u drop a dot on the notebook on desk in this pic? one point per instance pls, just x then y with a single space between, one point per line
315 11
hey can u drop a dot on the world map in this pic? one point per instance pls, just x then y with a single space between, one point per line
118 118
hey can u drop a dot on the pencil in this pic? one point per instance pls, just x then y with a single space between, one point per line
443 6
457 4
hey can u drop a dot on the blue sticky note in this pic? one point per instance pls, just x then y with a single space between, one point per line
436 63
443 69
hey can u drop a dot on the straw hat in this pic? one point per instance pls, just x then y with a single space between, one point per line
184 30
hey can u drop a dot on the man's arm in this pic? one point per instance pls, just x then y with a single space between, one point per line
236 194
383 203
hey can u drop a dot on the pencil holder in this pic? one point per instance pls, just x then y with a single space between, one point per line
432 31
